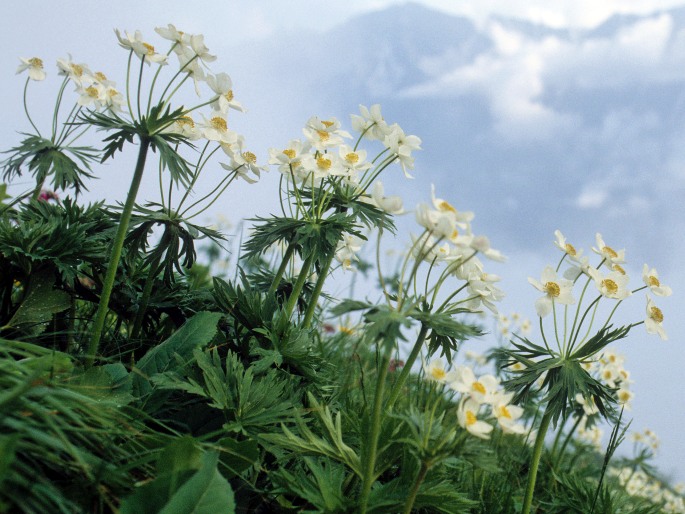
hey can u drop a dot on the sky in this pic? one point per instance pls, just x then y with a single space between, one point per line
535 130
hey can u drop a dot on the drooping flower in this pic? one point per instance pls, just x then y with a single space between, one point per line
34 65
389 204
651 280
565 246
654 320
78 73
346 250
402 146
467 416
555 289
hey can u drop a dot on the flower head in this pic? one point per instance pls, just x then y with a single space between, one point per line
222 85
34 65
609 255
142 49
651 280
467 416
613 285
555 289
402 146
654 320
371 123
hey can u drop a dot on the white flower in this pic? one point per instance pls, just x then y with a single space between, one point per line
651 280
389 204
222 85
321 166
402 146
371 123
507 415
566 247
197 44
555 289
614 285
172 34
609 255
34 65
142 49
654 320
242 160
323 134
216 129
78 73
436 371
467 416
589 406
480 390
184 126
353 161
624 397
346 250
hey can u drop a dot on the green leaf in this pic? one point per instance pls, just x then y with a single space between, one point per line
41 303
237 456
197 331
188 491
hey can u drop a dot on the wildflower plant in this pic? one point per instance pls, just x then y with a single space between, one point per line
157 387
577 337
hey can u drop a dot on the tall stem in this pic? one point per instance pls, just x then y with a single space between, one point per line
314 300
397 386
284 264
115 256
415 488
297 288
372 440
535 461
147 291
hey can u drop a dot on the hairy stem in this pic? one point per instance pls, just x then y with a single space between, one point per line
314 300
397 386
535 461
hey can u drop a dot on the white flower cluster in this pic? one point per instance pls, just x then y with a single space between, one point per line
512 324
477 394
612 283
638 483
609 368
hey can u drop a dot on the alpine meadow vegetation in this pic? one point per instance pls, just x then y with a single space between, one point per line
150 364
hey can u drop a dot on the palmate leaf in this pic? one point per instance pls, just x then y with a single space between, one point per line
68 165
599 341
446 333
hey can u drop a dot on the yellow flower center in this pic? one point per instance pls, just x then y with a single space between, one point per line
653 281
100 76
229 95
36 62
470 418
438 373
250 157
76 69
618 268
186 121
570 249
111 92
327 124
517 366
623 396
656 314
149 48
219 123
323 163
290 153
346 330
352 158
609 251
445 206
455 234
504 412
610 286
552 289
477 386
92 92
323 135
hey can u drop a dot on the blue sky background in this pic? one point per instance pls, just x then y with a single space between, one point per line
537 115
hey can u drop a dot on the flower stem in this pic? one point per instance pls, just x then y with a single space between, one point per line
535 461
415 488
297 288
147 291
313 301
397 386
284 264
117 246
369 464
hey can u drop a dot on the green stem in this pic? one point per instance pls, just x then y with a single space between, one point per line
535 461
147 291
568 440
284 264
117 246
397 386
313 301
297 288
415 488
372 442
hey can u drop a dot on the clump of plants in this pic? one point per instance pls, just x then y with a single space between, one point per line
134 381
